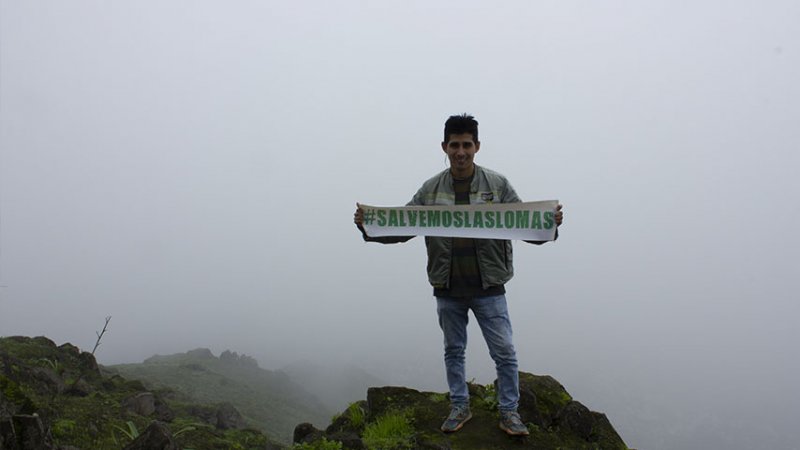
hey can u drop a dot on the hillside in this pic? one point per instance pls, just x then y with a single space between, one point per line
269 401
57 397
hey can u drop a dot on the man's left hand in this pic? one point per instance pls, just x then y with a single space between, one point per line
559 215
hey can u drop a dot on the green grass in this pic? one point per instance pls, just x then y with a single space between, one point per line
391 431
322 444
437 397
357 415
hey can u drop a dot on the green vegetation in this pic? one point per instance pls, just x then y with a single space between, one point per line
131 433
16 394
36 377
53 364
437 397
322 444
391 431
357 415
269 401
488 397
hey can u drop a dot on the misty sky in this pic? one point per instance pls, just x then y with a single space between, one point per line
191 169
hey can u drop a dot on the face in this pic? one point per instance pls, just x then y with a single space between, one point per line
461 151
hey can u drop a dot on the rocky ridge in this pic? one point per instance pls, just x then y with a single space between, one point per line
57 397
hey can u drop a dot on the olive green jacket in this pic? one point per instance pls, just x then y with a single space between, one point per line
495 256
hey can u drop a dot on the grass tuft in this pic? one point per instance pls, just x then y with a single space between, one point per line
357 415
392 431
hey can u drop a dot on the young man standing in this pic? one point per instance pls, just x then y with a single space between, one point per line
470 274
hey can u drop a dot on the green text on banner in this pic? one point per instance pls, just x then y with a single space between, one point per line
530 221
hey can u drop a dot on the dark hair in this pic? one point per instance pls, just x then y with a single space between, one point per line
460 125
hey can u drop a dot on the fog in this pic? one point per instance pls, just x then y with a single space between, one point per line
190 168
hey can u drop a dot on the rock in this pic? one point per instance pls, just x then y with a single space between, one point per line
30 433
48 380
576 418
44 341
155 437
529 406
305 433
8 439
541 398
223 416
383 399
234 358
43 380
80 388
7 409
143 404
426 445
67 347
163 412
349 440
88 363
206 414
149 404
200 353
344 422
229 418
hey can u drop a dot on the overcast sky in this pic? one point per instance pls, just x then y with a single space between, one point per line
191 169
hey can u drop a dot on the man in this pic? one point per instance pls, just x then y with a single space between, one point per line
470 274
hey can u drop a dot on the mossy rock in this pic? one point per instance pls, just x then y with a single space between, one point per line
554 418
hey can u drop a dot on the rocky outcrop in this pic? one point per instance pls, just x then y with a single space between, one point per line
155 437
24 432
228 418
236 359
200 353
306 433
148 404
223 416
554 420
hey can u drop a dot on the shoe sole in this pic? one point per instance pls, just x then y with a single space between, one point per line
461 424
512 433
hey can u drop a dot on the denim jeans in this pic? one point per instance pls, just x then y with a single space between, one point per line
492 315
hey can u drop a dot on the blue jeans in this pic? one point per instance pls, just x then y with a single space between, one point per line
492 315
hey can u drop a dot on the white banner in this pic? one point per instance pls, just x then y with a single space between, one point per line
530 221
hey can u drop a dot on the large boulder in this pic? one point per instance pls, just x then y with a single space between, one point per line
155 437
229 417
8 439
223 416
149 404
305 433
143 404
25 432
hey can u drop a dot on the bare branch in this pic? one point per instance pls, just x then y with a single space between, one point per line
100 334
